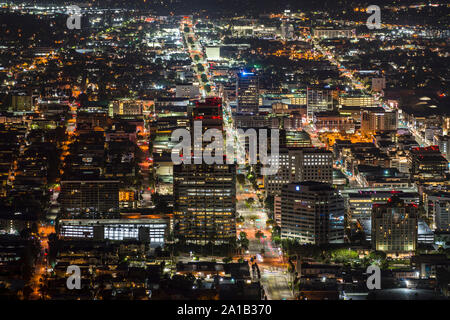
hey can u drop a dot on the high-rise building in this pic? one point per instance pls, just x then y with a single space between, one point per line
359 204
274 183
205 202
394 226
89 197
311 164
300 164
147 230
187 90
443 142
294 139
318 100
247 93
427 163
377 119
437 206
312 212
378 84
209 113
356 99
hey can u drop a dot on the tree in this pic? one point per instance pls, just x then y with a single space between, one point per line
269 203
243 241
259 234
270 222
443 279
25 233
249 202
377 256
276 235
227 260
34 228
240 178
27 291
344 255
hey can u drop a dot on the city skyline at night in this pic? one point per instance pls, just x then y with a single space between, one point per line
224 150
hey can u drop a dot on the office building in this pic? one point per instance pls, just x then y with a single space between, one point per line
311 164
356 99
394 226
187 90
437 206
125 107
209 113
79 197
359 204
318 100
247 93
300 164
377 119
205 203
378 84
443 142
312 212
427 163
150 231
274 183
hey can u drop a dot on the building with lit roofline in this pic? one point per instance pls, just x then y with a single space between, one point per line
395 226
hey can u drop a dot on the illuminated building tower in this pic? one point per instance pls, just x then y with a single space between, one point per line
443 142
247 93
311 164
394 226
300 164
88 198
205 203
273 183
377 119
312 212
427 164
211 116
438 208
210 113
318 100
